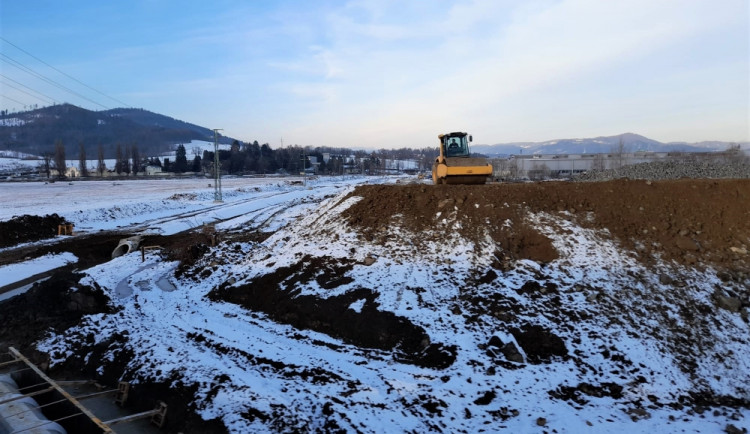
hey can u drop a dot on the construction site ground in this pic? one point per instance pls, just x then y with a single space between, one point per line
506 259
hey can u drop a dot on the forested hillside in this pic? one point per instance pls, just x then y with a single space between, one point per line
37 131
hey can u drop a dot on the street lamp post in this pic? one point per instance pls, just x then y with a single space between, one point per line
217 168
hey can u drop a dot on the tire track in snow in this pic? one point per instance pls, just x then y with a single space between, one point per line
184 216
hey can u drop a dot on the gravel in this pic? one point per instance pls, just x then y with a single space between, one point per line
738 168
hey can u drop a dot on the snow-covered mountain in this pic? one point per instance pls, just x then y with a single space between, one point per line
631 142
36 131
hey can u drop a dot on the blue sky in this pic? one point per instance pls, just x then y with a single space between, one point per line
394 73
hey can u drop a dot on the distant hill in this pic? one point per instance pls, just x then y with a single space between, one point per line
632 143
36 131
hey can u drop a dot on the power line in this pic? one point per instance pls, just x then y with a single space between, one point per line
7 59
28 70
15 100
51 100
67 75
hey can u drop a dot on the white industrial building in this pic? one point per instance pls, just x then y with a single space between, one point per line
537 166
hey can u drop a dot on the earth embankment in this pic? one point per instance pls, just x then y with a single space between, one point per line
690 221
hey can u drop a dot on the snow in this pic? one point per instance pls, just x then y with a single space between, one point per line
12 122
11 161
13 273
163 205
193 148
381 394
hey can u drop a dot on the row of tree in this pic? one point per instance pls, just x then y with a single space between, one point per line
125 163
246 158
253 158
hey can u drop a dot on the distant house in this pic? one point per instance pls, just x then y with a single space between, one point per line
70 172
153 169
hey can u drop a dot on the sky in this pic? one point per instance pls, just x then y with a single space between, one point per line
384 74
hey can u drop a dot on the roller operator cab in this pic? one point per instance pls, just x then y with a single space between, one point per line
455 165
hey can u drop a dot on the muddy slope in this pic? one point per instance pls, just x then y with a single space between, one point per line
690 221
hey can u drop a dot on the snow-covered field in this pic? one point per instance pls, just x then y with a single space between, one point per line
102 205
164 206
244 363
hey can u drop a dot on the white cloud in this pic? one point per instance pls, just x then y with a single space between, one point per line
368 72
389 78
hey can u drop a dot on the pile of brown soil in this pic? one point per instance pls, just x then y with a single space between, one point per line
49 306
690 221
430 212
28 228
276 294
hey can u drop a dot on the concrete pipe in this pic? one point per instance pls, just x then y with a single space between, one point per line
19 413
126 246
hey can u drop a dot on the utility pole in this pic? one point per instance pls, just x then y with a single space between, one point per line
304 172
217 168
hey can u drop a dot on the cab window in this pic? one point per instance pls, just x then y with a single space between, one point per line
455 146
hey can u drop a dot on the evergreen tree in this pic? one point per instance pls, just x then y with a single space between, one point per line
252 156
82 161
135 158
267 156
180 162
196 164
236 159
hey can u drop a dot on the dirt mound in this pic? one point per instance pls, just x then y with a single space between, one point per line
28 228
51 305
430 211
539 344
690 221
368 327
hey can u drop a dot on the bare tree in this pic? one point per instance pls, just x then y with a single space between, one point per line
734 156
598 162
514 172
126 160
60 159
47 163
501 167
101 167
82 160
118 159
618 153
539 171
426 159
135 157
